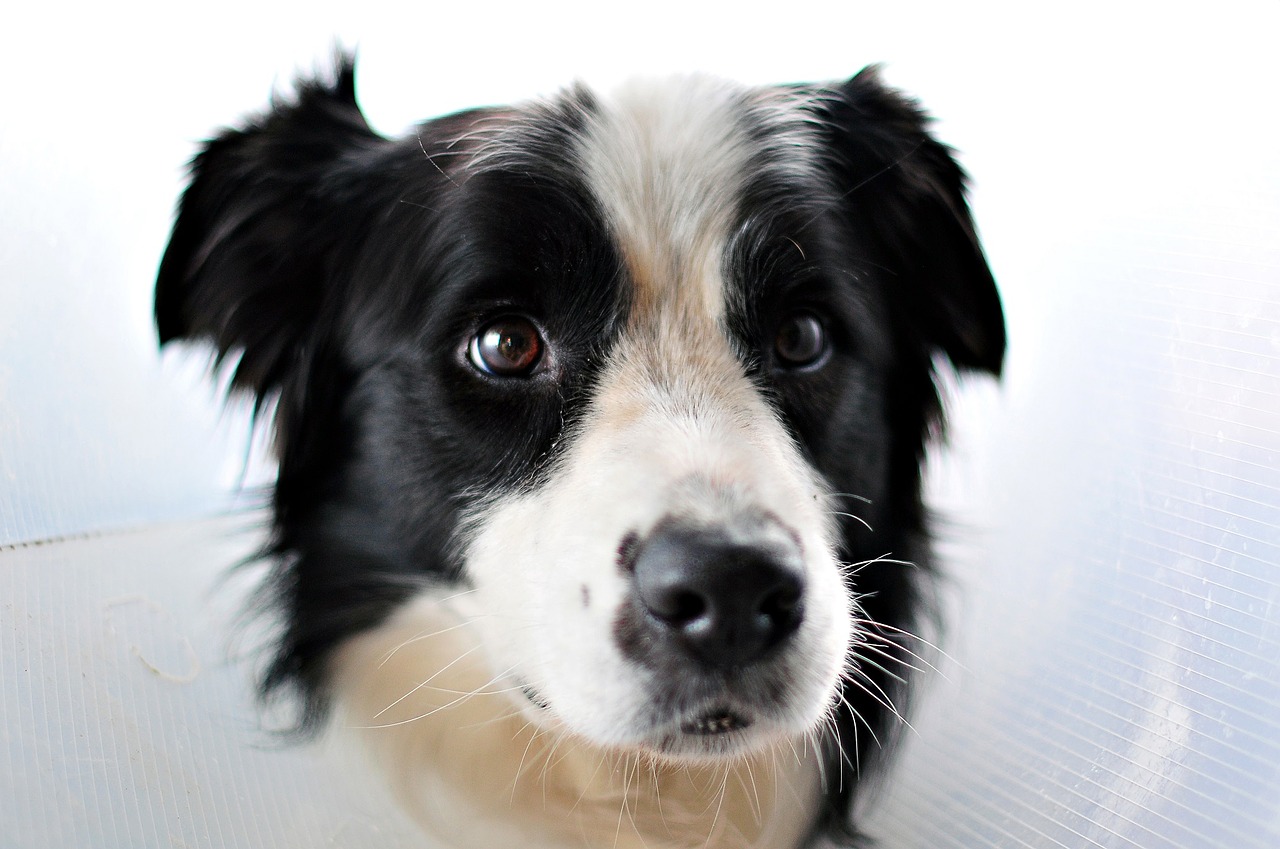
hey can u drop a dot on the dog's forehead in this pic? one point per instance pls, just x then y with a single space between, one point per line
670 162
668 166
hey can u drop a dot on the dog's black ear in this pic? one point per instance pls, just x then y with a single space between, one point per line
247 261
907 190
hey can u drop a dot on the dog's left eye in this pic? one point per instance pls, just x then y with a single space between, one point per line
801 340
510 346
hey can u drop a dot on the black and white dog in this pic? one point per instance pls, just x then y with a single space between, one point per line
599 426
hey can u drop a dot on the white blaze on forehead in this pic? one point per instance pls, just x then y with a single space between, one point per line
668 161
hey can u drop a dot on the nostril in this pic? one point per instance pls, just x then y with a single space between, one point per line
782 605
683 608
784 598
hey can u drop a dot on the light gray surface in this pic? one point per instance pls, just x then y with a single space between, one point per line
128 724
1116 629
1113 509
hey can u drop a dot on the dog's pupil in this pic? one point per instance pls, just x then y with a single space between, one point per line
508 346
800 340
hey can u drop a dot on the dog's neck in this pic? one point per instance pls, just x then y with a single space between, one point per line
475 772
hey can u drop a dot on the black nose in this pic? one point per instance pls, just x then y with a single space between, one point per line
725 602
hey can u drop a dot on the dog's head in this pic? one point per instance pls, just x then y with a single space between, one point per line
640 385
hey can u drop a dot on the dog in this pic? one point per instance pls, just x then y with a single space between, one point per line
600 423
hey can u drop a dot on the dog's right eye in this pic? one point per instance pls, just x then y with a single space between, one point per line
510 346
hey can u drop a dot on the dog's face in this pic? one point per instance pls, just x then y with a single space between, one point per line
638 388
668 579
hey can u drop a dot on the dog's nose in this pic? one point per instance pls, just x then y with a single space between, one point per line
726 602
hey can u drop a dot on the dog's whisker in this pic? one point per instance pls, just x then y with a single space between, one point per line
852 569
862 660
633 804
833 726
858 719
868 685
874 627
794 752
852 495
459 700
715 818
515 781
858 519
482 692
867 647
816 742
656 783
420 685
622 804
757 809
424 633
549 762
891 649
499 719
586 785
419 637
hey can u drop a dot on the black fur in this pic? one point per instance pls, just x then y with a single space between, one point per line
342 268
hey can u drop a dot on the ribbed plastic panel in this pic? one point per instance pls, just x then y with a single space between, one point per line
1115 627
126 723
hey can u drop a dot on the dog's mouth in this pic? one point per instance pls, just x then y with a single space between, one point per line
713 722
717 721
716 732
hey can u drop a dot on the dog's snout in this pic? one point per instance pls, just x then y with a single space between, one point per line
725 602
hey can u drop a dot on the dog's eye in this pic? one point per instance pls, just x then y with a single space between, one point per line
801 340
510 346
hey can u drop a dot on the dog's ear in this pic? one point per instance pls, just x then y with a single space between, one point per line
248 259
907 190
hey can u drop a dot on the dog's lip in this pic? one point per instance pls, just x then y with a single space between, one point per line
711 720
717 731
534 697
714 722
